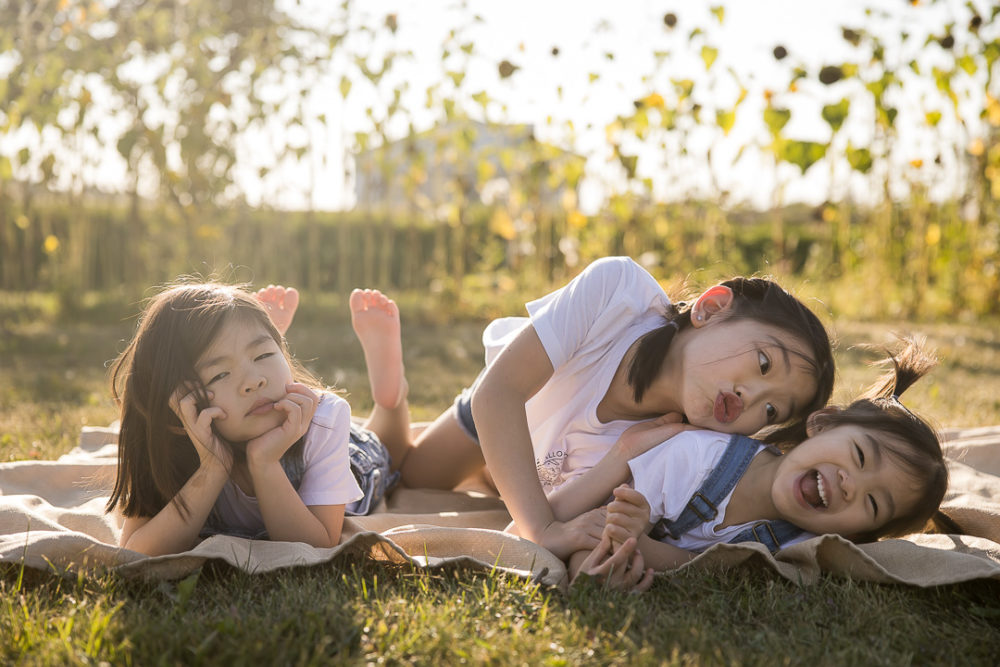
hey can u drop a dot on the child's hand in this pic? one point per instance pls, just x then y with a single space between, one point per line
622 570
581 533
299 406
628 516
198 426
640 438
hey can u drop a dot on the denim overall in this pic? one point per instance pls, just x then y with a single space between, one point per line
370 465
704 503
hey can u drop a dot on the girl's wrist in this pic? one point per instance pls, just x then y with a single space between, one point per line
215 464
620 452
260 464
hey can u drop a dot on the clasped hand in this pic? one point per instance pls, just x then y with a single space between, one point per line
627 516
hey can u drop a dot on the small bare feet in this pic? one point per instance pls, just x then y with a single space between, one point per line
375 318
280 303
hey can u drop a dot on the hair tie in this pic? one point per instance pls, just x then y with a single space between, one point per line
673 323
895 399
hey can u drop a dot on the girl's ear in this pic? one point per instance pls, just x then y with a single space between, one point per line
817 422
715 300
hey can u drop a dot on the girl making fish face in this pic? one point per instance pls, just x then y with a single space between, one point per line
605 351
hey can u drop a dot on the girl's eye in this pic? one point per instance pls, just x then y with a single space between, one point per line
218 377
772 413
861 459
261 357
764 362
871 499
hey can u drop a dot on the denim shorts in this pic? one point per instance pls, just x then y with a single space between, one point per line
463 409
372 467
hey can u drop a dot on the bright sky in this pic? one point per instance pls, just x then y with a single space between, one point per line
584 31
525 32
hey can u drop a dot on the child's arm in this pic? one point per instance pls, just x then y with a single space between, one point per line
285 516
660 556
172 529
498 408
592 488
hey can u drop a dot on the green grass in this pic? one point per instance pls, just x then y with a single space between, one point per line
367 613
52 381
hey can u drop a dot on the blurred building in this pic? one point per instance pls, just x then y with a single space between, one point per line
468 161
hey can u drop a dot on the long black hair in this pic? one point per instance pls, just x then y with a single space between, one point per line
155 455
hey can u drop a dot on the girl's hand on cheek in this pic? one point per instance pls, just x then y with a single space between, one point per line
640 438
299 406
198 426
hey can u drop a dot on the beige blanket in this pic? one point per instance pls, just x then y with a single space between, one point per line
52 518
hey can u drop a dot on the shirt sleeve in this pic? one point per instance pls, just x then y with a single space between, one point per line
328 479
668 475
607 293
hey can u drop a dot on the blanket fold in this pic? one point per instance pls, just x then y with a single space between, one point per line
52 519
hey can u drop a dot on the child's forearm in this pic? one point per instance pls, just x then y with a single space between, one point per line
592 488
173 529
286 517
498 406
575 561
660 556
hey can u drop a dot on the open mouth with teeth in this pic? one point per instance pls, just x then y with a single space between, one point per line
814 490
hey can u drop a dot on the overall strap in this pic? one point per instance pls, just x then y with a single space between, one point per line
772 534
704 503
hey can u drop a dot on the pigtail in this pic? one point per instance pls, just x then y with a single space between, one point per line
652 350
911 441
910 364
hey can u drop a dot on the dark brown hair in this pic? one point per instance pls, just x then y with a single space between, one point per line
764 301
912 442
155 455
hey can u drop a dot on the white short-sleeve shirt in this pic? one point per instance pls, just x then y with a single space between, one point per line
327 480
669 474
586 327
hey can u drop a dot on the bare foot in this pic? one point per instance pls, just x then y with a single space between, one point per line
280 303
375 318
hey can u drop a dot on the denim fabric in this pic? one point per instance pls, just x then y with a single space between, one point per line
370 464
704 503
372 467
463 409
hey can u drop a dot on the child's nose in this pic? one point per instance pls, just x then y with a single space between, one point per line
253 384
846 485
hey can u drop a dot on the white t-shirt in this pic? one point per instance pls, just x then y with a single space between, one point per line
586 327
327 480
669 474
